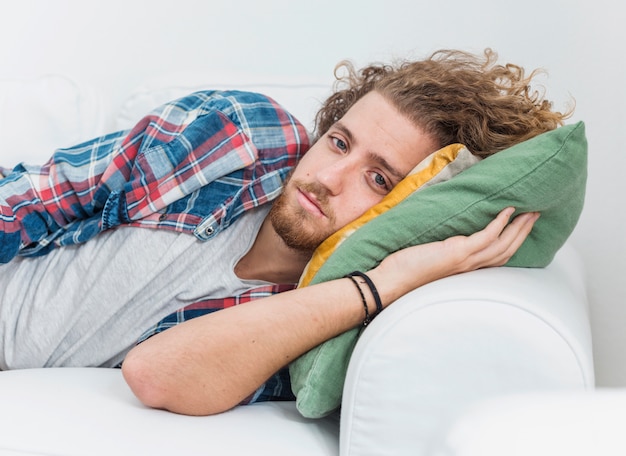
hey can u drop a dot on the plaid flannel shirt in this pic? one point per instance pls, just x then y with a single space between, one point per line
193 165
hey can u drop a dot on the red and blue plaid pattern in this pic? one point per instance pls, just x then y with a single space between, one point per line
192 165
207 306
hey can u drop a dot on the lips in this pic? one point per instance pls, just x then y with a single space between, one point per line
310 203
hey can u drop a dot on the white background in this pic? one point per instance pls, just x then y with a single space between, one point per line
115 45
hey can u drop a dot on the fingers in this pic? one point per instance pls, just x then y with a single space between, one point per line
499 241
500 228
514 234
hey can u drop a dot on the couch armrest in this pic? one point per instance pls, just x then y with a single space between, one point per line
456 341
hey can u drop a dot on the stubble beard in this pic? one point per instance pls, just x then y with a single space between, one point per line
294 225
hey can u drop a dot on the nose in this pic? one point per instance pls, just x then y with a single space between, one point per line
333 175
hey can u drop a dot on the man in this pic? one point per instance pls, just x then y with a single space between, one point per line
208 164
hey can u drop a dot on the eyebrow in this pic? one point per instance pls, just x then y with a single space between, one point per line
372 155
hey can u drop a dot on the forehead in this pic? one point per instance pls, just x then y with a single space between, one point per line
375 123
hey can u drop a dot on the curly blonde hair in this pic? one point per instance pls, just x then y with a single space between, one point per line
455 96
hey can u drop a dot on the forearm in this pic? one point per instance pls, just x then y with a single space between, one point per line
211 363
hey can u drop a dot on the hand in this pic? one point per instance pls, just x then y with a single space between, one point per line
412 267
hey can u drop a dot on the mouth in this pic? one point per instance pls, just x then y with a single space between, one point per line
310 203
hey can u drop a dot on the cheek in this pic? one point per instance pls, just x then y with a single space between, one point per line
356 204
318 157
304 169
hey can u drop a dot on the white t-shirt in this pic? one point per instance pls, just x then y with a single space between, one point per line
87 305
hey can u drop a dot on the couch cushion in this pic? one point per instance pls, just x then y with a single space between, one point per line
91 411
547 174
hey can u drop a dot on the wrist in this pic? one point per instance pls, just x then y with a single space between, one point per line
388 286
362 280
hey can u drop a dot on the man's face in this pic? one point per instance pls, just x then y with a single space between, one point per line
350 169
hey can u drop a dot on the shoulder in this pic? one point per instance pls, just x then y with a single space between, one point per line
249 110
262 119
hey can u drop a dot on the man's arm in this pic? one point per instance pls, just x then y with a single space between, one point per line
129 176
210 364
62 201
38 202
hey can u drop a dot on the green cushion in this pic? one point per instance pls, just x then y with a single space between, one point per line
547 173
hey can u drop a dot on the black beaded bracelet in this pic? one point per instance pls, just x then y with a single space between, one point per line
373 290
367 319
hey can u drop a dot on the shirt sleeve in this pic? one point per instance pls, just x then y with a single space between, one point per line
170 153
184 148
36 202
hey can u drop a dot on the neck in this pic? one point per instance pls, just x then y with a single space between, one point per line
269 259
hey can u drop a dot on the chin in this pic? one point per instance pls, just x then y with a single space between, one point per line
295 230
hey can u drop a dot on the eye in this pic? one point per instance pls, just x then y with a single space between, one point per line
380 182
339 144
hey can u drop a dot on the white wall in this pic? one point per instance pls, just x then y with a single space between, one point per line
117 44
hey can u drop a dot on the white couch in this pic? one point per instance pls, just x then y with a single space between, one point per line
417 372
541 424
